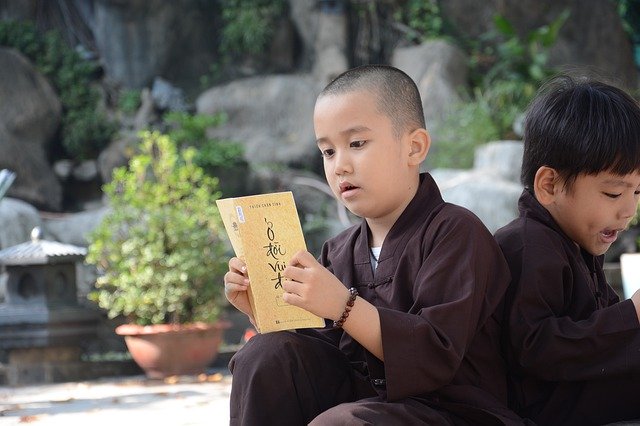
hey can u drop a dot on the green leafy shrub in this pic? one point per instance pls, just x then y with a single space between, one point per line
248 25
467 126
190 130
512 67
129 101
507 71
420 20
85 130
160 250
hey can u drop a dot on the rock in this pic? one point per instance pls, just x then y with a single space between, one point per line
17 220
141 39
86 171
73 228
167 97
440 69
117 154
331 47
304 15
472 189
19 10
272 116
495 177
592 37
146 114
502 158
30 114
63 169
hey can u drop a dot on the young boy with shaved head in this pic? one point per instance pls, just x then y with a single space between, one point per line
409 294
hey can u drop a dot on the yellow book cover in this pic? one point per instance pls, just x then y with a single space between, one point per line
265 232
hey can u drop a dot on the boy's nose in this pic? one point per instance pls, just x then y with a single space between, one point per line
342 164
630 209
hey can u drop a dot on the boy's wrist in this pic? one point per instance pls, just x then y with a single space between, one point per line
353 294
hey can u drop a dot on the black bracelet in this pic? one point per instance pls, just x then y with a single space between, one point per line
353 293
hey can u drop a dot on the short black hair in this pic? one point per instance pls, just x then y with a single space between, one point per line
577 125
397 94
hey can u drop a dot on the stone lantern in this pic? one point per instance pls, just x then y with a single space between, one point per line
42 326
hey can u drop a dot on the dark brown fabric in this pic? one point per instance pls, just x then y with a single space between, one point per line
568 336
288 378
439 280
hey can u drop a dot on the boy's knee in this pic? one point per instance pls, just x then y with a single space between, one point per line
270 350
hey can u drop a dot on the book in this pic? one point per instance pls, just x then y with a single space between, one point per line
265 232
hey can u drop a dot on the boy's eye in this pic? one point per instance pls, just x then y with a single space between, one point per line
610 195
326 153
357 144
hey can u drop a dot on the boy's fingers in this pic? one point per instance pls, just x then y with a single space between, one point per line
302 258
291 287
294 273
291 298
237 265
235 279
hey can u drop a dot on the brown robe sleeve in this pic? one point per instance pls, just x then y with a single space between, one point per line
457 279
552 341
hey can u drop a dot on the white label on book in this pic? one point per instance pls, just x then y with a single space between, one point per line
240 214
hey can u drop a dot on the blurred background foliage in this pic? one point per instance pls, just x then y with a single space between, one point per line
506 70
85 127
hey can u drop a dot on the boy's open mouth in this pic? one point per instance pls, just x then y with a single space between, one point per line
610 234
346 186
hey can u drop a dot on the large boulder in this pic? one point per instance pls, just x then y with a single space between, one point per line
494 177
272 116
440 70
73 228
141 39
331 47
304 16
17 220
501 158
592 37
30 114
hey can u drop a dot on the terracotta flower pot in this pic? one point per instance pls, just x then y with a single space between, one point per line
173 349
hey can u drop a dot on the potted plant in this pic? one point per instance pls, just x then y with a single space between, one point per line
161 254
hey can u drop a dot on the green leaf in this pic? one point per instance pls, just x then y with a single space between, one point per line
504 26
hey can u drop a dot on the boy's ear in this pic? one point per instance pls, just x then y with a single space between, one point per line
546 185
420 142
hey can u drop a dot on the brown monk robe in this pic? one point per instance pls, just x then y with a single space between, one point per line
439 280
573 348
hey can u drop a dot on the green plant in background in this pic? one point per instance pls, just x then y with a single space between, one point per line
161 249
467 126
420 20
190 130
507 72
629 11
517 68
248 26
85 130
129 101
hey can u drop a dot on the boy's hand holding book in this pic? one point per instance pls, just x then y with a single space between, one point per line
236 284
265 233
311 286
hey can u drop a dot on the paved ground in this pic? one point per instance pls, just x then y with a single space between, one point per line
123 401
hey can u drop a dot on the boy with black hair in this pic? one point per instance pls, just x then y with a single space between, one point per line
573 348
411 291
